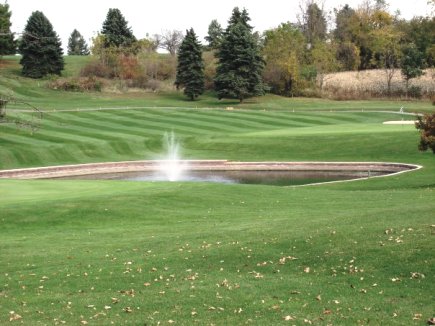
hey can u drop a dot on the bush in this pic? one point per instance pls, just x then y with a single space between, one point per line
96 69
83 84
415 92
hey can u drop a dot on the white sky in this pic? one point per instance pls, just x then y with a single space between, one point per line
153 17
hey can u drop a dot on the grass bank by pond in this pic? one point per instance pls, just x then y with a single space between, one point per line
102 252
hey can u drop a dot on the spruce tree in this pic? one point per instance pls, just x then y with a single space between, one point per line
77 44
238 74
116 31
40 48
190 69
7 42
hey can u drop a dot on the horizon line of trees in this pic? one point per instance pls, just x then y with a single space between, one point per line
236 61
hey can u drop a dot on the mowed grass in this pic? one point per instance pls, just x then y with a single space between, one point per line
116 252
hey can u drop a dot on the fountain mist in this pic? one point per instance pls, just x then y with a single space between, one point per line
171 166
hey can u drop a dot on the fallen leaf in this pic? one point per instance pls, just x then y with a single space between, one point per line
288 317
14 316
306 269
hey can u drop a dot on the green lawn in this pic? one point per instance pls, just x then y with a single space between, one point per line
102 252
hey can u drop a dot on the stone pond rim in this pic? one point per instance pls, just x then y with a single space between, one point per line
204 165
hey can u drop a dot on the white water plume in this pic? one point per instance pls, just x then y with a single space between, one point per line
171 166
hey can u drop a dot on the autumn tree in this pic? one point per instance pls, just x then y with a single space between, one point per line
40 48
214 35
116 31
190 69
348 53
238 74
411 64
77 44
426 125
284 52
324 60
7 42
385 42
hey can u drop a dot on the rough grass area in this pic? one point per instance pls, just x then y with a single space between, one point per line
367 84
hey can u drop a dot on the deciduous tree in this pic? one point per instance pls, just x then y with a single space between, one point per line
40 47
170 41
313 21
190 69
284 51
385 42
411 64
215 34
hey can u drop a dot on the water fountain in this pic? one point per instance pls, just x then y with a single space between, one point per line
171 167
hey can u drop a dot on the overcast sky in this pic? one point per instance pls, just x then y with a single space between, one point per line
153 17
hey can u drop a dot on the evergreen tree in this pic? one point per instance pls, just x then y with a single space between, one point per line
190 69
77 44
7 43
40 48
215 34
238 74
115 30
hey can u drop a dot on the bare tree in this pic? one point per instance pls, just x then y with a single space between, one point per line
169 41
30 118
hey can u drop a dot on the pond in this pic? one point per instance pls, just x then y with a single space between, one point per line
275 178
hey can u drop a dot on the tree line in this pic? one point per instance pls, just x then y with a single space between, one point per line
237 62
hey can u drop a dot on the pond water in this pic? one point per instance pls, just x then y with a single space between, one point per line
276 178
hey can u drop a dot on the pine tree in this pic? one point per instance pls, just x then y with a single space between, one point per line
190 69
116 31
238 74
40 48
7 42
77 44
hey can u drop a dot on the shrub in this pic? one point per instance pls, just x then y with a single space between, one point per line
83 84
415 92
96 69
